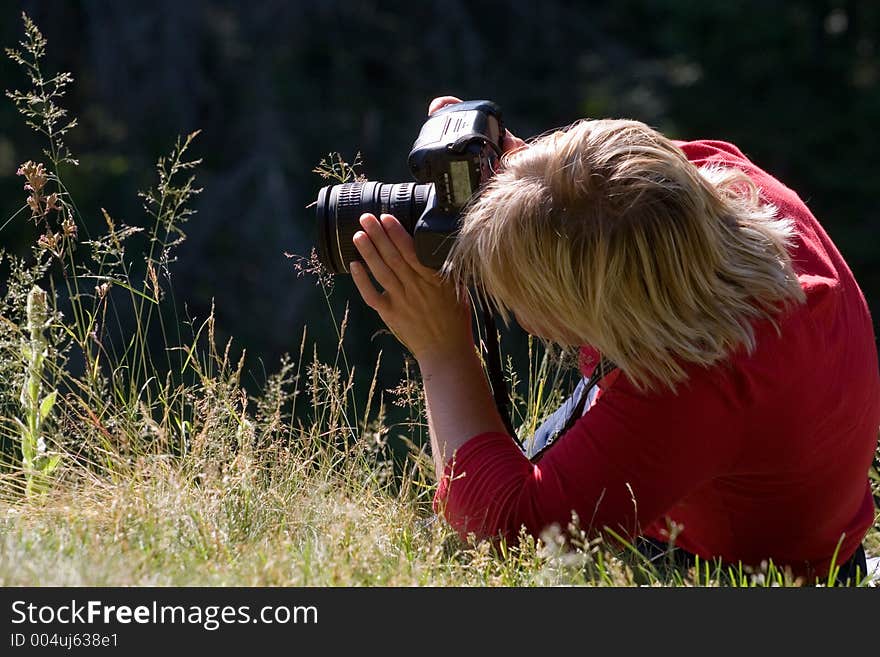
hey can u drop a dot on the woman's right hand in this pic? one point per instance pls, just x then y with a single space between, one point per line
509 142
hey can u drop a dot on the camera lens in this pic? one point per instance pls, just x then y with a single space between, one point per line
339 208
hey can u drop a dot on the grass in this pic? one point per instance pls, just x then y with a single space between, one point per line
169 473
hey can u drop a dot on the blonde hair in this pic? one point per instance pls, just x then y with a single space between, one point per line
605 234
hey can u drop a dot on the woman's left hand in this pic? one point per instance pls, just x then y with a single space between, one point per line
421 308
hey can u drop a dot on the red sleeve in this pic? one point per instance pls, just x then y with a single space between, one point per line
622 465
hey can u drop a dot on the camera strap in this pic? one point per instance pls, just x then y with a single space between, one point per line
499 387
493 367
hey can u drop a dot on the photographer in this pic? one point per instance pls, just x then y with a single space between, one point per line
741 421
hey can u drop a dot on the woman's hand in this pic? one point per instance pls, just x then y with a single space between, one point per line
419 307
509 142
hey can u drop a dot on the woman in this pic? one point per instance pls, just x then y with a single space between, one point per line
743 415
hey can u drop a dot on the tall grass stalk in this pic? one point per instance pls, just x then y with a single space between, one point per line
37 463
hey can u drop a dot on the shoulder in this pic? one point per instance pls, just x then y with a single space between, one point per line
812 251
704 151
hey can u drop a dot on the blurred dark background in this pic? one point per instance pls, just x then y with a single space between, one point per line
275 85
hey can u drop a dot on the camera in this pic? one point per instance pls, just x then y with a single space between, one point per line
454 155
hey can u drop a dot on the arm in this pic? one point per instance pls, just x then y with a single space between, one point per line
459 402
623 465
427 314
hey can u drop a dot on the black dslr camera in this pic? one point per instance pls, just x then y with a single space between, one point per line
454 155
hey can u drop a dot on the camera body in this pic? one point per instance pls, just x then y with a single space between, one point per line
457 150
454 155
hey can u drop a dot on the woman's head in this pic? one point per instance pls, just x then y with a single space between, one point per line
605 234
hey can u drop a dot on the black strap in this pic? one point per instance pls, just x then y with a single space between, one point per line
493 366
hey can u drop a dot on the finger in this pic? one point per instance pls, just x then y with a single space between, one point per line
384 245
510 142
442 101
381 271
405 245
371 296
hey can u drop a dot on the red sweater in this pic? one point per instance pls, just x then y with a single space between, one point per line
764 456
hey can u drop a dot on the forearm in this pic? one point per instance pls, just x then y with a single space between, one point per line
459 403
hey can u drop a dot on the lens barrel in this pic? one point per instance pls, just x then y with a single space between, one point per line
339 208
